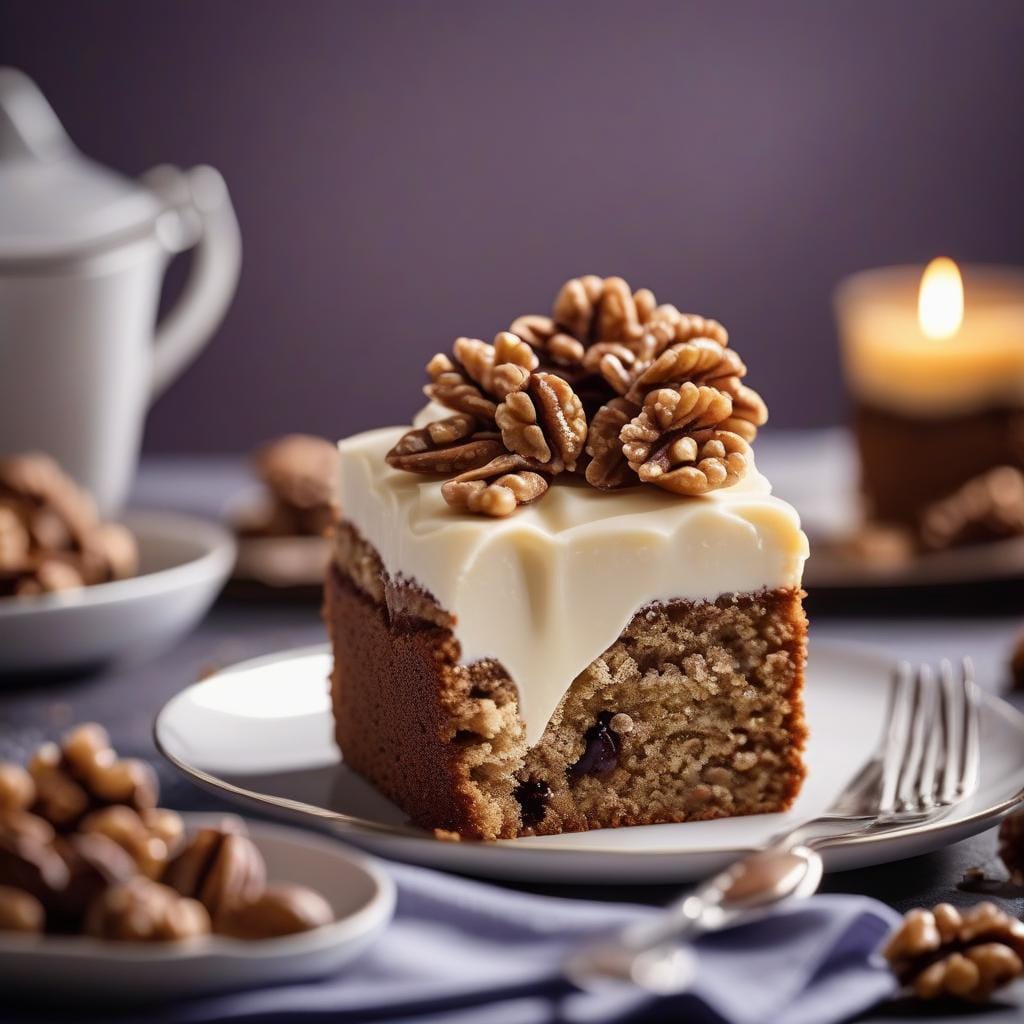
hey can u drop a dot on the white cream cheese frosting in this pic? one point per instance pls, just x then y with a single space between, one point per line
550 588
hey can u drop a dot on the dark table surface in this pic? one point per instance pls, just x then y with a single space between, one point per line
980 622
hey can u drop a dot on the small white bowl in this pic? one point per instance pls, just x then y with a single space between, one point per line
68 969
183 564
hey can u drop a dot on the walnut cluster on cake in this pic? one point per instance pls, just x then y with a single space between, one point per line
628 650
611 385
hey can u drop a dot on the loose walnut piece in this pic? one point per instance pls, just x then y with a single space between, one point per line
28 860
987 508
676 441
20 911
94 863
49 576
51 538
142 910
220 868
84 773
17 790
299 470
496 489
125 827
14 541
946 952
60 799
166 825
279 910
36 481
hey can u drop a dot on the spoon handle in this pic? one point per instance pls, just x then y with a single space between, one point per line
648 954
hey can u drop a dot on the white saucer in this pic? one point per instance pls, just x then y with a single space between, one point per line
262 731
184 562
74 967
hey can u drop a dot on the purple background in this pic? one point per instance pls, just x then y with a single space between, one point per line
407 172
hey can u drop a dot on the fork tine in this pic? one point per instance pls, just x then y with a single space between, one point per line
971 756
897 738
951 697
927 775
907 791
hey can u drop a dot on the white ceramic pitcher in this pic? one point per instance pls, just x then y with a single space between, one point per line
82 258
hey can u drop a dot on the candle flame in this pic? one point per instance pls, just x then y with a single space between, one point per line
940 302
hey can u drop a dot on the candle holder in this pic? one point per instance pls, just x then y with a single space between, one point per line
936 379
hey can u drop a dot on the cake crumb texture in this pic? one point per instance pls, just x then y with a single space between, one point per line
695 712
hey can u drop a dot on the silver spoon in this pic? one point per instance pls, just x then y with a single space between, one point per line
648 954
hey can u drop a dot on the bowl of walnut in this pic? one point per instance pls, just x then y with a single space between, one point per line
107 897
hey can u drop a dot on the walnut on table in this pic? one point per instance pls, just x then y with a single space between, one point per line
964 954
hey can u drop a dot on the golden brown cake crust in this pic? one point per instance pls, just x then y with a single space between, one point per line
708 697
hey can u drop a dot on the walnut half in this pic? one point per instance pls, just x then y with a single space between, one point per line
543 420
496 489
946 952
677 441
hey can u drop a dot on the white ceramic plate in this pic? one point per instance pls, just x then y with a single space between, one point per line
262 731
184 562
817 473
363 898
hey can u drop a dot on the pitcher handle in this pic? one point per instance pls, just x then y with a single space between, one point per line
199 213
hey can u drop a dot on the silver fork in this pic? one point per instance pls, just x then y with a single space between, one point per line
925 762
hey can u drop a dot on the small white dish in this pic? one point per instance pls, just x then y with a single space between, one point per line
279 563
262 732
184 562
69 968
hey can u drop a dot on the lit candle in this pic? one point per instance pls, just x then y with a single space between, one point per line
935 365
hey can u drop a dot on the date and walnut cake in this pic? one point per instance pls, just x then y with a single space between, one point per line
566 599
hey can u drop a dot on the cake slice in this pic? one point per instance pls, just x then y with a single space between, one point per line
597 621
